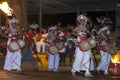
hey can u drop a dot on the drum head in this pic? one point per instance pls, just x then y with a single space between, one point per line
59 46
21 43
53 49
13 46
110 48
85 45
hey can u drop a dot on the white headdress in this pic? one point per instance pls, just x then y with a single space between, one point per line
13 20
12 28
82 17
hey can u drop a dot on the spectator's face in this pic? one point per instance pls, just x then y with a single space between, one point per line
59 24
44 31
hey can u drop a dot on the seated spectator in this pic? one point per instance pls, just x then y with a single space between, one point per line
34 26
41 44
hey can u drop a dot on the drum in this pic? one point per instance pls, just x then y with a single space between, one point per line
53 49
59 46
21 43
110 49
13 46
92 42
85 45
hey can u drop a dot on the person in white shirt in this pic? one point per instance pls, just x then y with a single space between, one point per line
41 44
34 26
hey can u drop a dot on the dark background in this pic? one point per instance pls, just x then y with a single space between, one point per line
69 18
65 18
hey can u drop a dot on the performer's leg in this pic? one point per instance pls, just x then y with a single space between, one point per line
107 63
50 62
86 62
101 64
17 60
56 62
77 62
92 67
105 60
8 61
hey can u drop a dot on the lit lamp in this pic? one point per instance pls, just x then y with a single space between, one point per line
6 9
114 66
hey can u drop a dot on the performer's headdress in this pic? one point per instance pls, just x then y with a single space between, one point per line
82 17
13 20
103 29
13 25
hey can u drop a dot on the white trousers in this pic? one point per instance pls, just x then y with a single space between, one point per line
41 47
82 61
105 60
53 62
13 60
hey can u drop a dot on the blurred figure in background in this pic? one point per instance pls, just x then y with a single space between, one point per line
41 44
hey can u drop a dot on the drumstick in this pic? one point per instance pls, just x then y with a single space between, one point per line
38 58
35 52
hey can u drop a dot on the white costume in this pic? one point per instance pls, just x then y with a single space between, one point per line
13 59
53 62
82 60
53 57
105 56
105 60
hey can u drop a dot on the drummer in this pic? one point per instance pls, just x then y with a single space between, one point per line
104 32
53 56
13 59
82 58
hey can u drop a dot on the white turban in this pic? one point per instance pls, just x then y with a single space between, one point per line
82 17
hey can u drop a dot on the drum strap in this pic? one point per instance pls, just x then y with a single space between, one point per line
13 40
82 39
102 47
52 54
